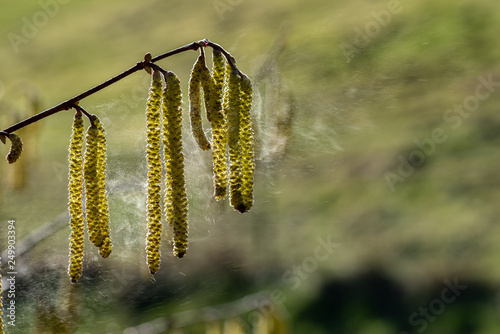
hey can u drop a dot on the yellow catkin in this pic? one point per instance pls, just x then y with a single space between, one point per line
219 129
195 82
175 197
246 143
218 74
153 122
207 83
105 247
16 148
75 189
233 105
92 186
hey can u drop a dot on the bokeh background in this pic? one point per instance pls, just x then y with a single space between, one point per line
377 126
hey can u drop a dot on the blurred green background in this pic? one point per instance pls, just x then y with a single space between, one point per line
377 132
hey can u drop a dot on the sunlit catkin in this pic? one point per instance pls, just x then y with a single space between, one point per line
218 74
195 104
219 129
92 186
153 122
16 148
175 197
105 247
246 143
75 189
233 105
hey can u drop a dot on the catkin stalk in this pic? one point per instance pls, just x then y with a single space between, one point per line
153 122
75 188
176 198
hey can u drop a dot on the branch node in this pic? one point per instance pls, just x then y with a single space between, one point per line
146 62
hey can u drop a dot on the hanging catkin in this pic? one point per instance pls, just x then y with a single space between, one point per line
75 190
246 143
92 186
153 122
195 83
105 247
207 83
219 130
16 148
233 105
176 198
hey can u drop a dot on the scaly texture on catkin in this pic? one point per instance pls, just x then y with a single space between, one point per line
246 142
90 166
207 83
233 105
16 148
175 197
75 189
219 129
153 123
195 82
105 247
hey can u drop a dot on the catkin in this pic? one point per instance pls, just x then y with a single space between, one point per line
233 105
92 186
246 143
16 148
207 83
219 129
195 82
218 74
105 247
175 197
153 122
75 190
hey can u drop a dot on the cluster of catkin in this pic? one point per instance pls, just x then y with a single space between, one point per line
164 123
227 95
88 169
227 99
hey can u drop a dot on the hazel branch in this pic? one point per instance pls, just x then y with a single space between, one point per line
68 104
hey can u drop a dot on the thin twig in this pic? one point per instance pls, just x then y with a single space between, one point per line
230 59
83 111
68 104
193 46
